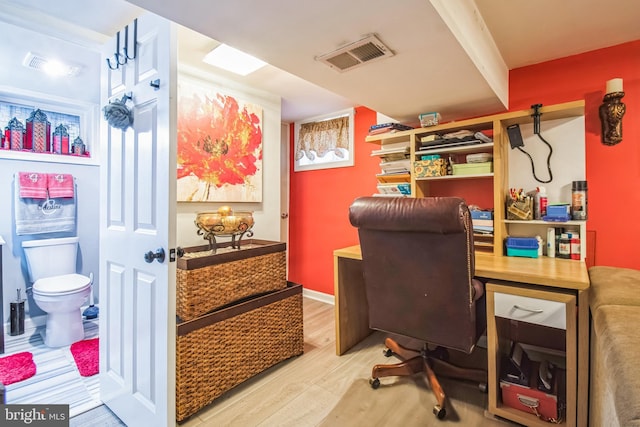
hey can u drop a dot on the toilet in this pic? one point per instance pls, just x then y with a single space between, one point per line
57 289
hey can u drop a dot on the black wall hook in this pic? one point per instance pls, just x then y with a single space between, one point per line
116 55
122 58
536 118
135 40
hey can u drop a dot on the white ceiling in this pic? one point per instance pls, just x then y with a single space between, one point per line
451 56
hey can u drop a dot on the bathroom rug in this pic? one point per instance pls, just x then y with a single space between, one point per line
86 355
16 367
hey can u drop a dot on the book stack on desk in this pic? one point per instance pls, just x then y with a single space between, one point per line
482 221
394 177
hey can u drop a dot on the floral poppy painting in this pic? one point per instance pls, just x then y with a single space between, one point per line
219 147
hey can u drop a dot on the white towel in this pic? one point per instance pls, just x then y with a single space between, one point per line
37 216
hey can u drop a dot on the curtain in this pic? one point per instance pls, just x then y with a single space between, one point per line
323 137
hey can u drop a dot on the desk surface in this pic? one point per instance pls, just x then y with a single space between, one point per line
545 271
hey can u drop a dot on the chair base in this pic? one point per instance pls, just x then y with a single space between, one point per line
425 361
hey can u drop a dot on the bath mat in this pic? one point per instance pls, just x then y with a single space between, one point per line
17 367
86 355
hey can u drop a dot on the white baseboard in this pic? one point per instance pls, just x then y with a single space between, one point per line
319 296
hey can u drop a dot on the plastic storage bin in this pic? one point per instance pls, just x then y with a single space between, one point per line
522 246
472 168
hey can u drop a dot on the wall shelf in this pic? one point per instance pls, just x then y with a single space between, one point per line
448 177
496 126
471 148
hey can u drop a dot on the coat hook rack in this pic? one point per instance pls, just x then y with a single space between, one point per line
122 58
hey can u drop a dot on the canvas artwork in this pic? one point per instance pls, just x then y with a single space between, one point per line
219 146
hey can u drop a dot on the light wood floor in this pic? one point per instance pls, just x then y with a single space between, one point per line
320 388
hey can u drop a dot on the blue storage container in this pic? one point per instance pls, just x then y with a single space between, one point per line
522 246
477 214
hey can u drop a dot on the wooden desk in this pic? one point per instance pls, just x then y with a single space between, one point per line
549 274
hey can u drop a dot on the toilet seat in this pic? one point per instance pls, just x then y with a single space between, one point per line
61 285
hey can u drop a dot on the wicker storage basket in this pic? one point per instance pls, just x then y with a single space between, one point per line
206 281
218 351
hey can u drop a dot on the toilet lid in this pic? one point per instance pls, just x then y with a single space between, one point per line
61 284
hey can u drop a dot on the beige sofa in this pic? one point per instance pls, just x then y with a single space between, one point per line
615 347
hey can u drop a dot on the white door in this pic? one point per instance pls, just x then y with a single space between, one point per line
137 196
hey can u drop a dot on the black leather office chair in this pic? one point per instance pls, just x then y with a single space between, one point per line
418 263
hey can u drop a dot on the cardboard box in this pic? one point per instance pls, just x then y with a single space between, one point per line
430 168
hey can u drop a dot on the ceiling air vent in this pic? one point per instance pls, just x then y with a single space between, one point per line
40 63
357 53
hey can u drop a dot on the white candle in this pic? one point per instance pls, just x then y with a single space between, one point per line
614 85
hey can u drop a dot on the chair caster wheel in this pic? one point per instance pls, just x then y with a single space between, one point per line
375 383
439 412
387 352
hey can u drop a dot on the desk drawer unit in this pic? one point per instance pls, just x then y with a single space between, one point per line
540 316
531 310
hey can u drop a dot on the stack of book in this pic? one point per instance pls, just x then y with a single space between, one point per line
394 177
387 128
482 221
455 139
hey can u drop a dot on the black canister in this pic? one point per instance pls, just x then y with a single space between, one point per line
579 200
17 316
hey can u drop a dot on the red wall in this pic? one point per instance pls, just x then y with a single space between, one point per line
320 199
613 172
318 210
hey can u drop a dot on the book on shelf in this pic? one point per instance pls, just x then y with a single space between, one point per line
393 177
481 214
389 195
482 222
429 142
397 188
430 138
396 166
382 127
480 229
392 148
389 157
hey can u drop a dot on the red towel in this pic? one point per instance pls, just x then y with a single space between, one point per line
60 185
33 185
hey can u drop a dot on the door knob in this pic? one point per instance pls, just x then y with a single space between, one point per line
159 255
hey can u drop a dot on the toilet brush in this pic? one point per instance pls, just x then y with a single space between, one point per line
91 312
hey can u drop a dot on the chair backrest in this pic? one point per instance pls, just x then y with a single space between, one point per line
418 263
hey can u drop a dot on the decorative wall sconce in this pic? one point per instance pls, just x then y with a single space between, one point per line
611 112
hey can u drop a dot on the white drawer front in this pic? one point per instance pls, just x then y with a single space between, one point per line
531 310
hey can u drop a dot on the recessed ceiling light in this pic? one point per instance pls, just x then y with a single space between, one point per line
233 60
